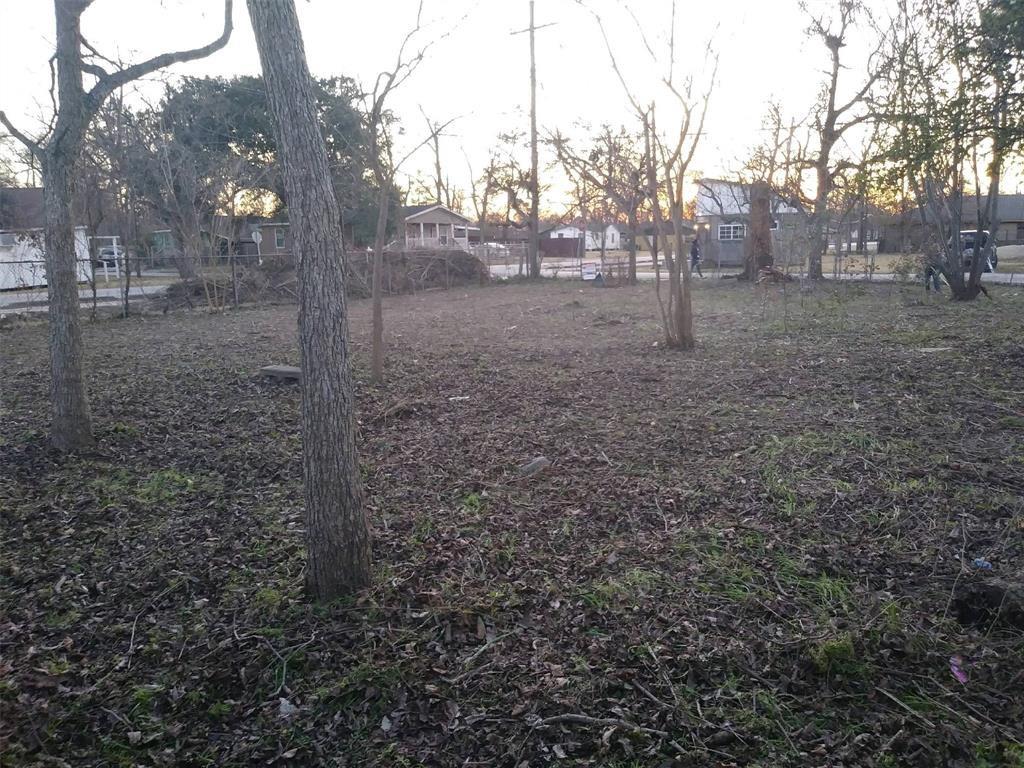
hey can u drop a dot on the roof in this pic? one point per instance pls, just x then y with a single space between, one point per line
594 227
1011 207
413 211
730 182
667 228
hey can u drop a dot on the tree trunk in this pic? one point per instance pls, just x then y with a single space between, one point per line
377 352
533 250
72 423
337 534
653 197
862 235
679 278
69 404
633 227
990 221
758 243
820 233
187 257
483 225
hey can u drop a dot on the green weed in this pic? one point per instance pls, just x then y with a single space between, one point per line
836 655
164 486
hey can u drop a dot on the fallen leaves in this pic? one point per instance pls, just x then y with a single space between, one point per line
717 523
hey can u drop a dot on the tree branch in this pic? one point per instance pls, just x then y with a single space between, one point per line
430 137
115 80
860 94
89 47
30 145
95 70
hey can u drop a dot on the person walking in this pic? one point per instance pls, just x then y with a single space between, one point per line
932 277
695 258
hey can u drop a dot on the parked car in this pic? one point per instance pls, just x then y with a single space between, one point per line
968 237
110 256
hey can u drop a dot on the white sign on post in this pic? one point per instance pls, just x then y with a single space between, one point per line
589 270
257 238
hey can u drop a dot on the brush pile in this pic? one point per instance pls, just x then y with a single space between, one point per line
276 280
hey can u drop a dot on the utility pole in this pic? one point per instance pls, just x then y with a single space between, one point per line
533 266
534 180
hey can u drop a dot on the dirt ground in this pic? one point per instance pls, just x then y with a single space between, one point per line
748 555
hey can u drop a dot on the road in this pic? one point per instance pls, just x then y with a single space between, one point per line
568 269
35 300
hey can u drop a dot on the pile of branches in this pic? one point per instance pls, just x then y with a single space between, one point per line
412 271
773 275
276 280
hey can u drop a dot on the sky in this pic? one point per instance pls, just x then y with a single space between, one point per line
476 70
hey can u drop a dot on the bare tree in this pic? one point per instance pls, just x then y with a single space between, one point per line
58 153
383 167
947 100
482 191
833 119
615 165
774 168
337 534
111 141
442 191
669 156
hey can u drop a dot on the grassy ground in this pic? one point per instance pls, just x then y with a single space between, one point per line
747 555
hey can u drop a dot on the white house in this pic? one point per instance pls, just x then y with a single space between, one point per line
22 263
435 226
612 236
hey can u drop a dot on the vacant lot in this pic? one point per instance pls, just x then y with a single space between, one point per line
749 555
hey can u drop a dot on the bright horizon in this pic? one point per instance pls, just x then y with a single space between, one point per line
478 72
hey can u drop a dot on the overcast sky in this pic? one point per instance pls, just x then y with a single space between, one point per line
477 70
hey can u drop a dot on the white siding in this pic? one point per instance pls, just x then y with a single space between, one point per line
22 263
612 235
726 198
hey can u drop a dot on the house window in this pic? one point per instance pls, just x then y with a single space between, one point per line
731 231
775 225
1020 231
279 238
561 234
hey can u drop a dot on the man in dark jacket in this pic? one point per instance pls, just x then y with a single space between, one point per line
695 258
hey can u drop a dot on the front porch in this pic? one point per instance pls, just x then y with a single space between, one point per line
419 234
